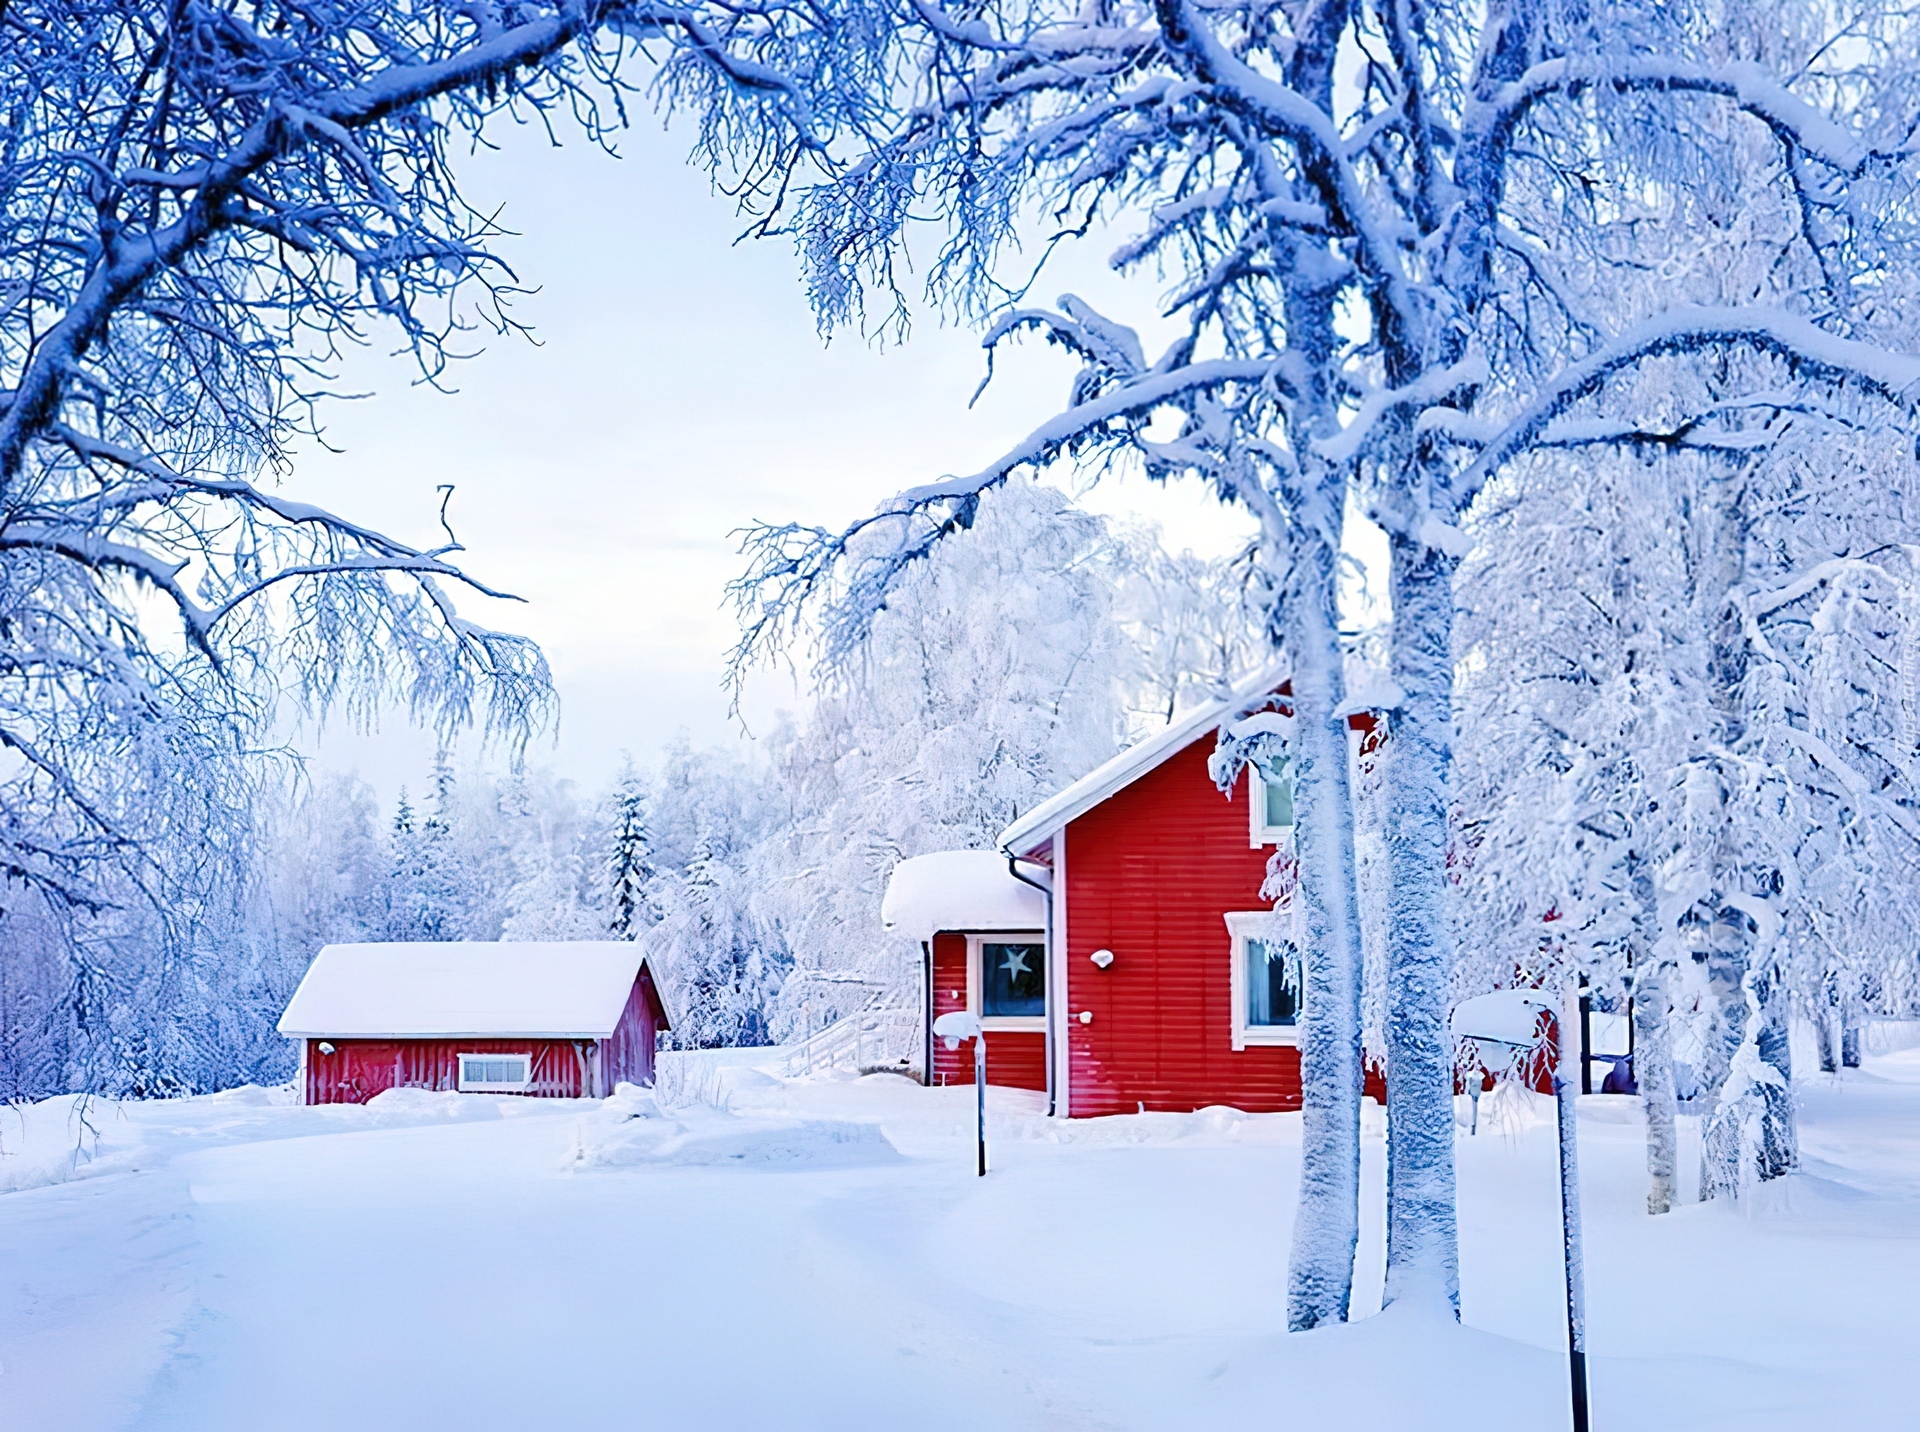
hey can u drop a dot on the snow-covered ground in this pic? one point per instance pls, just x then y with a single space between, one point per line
819 1255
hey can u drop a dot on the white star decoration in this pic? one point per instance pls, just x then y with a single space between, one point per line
1016 962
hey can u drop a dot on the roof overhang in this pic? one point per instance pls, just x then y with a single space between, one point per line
971 890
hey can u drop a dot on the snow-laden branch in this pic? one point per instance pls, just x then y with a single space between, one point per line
1817 354
1797 123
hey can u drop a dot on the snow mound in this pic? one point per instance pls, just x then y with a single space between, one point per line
630 1130
418 1106
66 1137
413 1105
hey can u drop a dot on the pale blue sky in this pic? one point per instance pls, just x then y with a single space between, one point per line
678 389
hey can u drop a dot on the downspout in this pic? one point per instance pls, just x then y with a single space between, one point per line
926 1024
1046 893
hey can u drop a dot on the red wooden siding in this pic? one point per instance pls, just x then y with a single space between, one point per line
627 1055
1149 874
358 1069
1015 1060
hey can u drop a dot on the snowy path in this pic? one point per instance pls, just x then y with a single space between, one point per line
233 1265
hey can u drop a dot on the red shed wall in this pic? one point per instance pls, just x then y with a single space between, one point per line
1149 875
360 1068
627 1055
1015 1059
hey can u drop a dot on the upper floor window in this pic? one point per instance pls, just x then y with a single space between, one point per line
1271 805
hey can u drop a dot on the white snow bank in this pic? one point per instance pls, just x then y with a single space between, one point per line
420 1106
959 890
560 990
69 1136
630 1129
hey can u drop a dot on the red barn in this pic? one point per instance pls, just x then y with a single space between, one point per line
1116 947
559 1021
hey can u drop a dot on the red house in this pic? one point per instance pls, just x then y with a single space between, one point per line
559 1021
1116 946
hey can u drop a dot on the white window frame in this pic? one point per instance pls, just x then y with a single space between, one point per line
1259 833
1244 925
1033 1023
477 1087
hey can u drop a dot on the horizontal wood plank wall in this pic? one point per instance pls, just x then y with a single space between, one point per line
358 1069
1014 1061
1150 874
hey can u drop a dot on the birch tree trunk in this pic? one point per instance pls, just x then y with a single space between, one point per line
1725 568
1653 1042
1422 1248
1326 1226
1653 1072
1779 1138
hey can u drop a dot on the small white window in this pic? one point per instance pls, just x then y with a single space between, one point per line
495 1073
1266 982
1270 806
1007 980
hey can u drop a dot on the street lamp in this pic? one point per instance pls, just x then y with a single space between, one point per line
1509 1019
953 1027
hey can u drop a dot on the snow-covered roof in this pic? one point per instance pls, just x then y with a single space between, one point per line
959 890
1035 827
571 990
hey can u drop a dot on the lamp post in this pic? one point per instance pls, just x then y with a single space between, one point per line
1510 1019
953 1027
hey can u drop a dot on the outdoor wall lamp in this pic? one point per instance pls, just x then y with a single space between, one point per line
1102 958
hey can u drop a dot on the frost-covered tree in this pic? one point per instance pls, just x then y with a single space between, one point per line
629 857
1402 281
202 203
999 673
724 961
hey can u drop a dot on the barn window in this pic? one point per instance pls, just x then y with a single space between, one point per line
1009 981
495 1073
1265 979
1271 805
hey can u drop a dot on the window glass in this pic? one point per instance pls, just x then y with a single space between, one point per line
1273 983
493 1069
1279 794
1013 980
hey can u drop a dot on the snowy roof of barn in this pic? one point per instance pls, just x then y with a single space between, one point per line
959 890
479 989
1038 825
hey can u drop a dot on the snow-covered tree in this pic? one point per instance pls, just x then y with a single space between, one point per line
629 856
201 204
1404 281
999 673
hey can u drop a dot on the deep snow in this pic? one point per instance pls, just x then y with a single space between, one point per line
818 1255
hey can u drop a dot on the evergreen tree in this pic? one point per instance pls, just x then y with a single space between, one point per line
630 857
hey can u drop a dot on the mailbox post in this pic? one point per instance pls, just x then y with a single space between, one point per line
954 1027
1509 1020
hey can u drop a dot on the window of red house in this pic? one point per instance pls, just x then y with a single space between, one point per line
1266 979
1013 980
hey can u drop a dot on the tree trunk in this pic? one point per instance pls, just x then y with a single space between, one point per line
1850 1046
1779 1151
1326 1226
1653 1072
1422 1247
